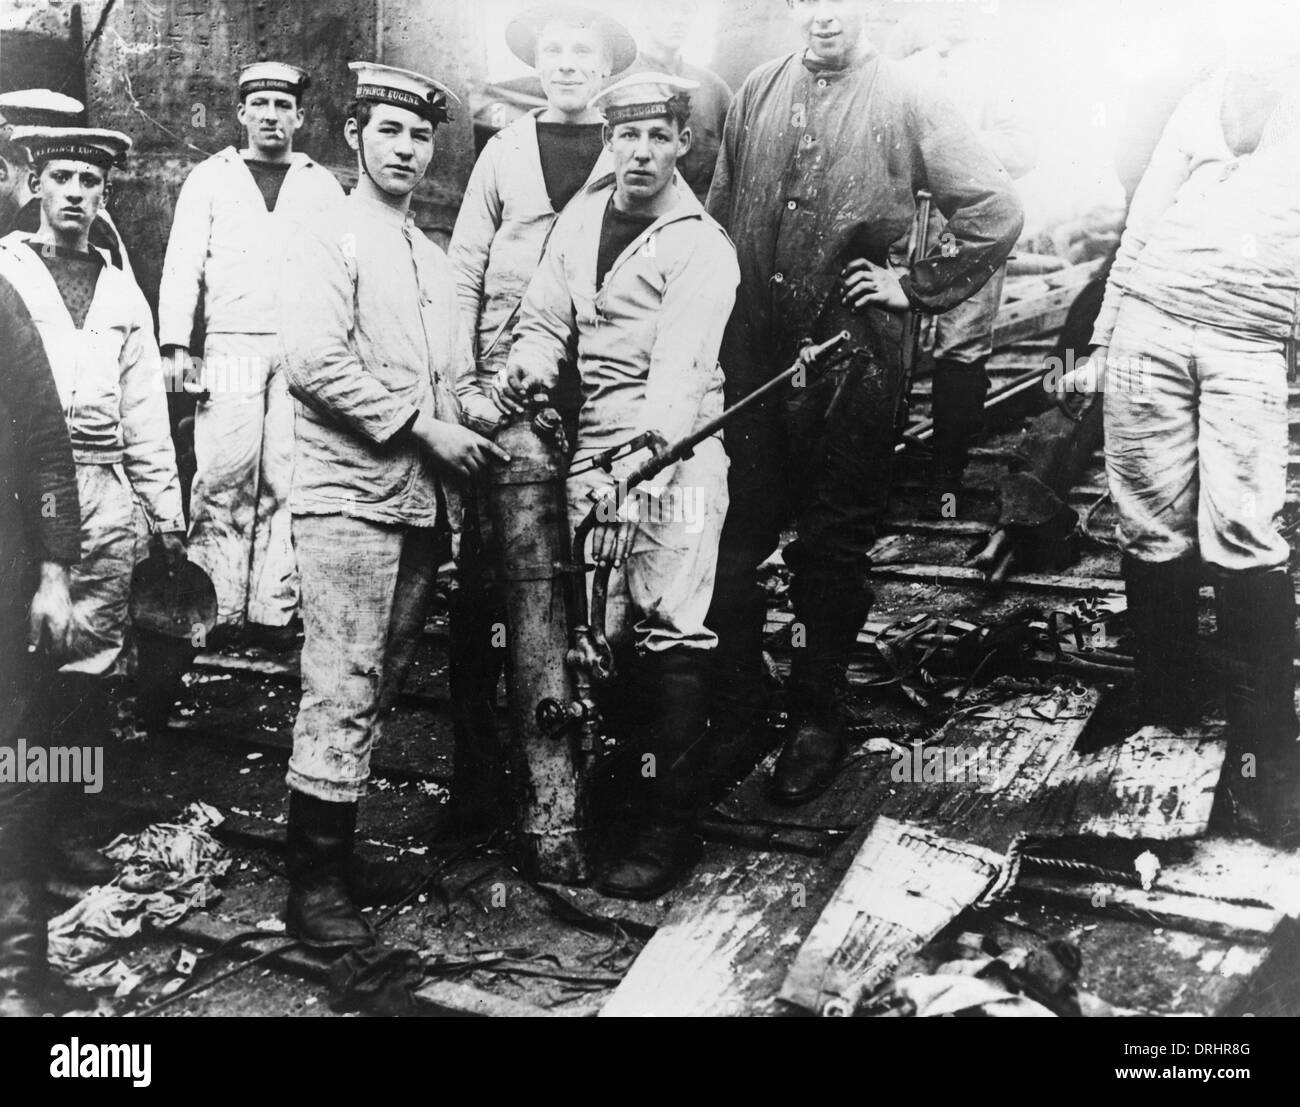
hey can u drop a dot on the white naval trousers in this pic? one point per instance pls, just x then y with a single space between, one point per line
243 445
1196 440
660 597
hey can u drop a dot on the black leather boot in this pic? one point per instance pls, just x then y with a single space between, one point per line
320 911
830 606
811 757
957 407
374 883
738 693
1255 613
669 719
1162 599
84 715
23 813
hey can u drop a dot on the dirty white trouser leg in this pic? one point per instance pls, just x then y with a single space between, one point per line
243 446
1196 440
366 590
661 596
101 582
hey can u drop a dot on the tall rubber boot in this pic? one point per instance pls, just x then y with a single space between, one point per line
737 690
959 390
829 607
669 723
320 911
84 714
23 972
1255 613
1162 600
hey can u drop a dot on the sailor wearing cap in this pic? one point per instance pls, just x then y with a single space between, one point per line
644 280
225 247
19 208
373 344
98 336
526 174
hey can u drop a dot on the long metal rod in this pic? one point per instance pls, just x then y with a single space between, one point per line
589 620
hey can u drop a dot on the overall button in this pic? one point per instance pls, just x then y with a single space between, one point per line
791 205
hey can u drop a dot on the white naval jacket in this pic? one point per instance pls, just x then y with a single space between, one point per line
108 374
648 339
496 247
370 338
227 246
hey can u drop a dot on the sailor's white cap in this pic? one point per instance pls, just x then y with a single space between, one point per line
385 84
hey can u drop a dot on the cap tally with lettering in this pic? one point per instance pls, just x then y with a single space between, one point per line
273 76
384 84
644 96
105 149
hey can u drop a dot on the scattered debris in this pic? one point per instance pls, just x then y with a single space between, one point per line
163 872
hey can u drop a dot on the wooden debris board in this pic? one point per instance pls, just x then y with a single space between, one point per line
1010 752
727 943
1028 318
1197 914
1155 784
1030 781
1238 868
904 886
734 927
1024 778
1019 777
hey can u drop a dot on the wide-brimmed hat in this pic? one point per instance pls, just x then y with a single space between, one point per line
524 29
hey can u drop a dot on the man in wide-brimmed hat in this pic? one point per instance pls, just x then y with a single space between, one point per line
525 176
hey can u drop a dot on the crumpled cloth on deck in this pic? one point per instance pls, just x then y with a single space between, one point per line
164 871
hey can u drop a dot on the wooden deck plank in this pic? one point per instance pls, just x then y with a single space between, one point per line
725 947
904 886
1019 777
1195 914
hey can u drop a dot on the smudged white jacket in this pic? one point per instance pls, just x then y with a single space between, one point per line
108 374
226 247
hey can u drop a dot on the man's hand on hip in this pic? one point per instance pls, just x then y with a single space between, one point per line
869 285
